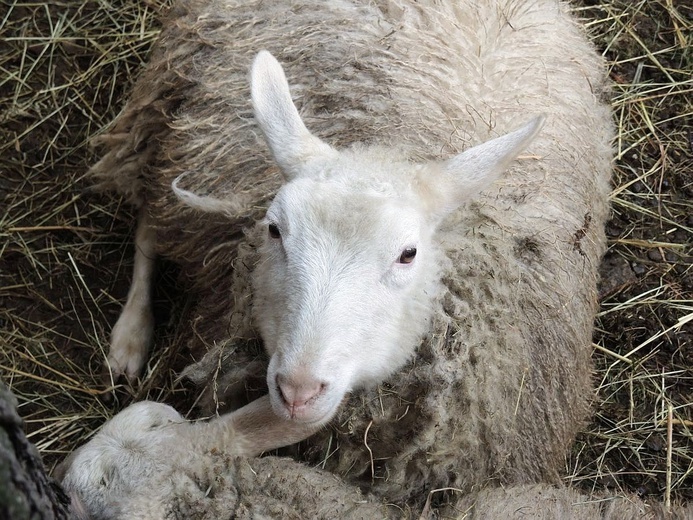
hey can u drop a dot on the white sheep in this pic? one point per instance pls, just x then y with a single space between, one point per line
389 255
148 463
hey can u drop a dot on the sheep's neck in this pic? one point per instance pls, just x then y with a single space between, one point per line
255 428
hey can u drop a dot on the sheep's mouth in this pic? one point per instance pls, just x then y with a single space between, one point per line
317 411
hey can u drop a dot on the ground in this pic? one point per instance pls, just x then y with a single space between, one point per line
65 251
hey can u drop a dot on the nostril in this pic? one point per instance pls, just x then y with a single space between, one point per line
298 391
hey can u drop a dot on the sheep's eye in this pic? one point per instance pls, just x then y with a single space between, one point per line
407 256
274 232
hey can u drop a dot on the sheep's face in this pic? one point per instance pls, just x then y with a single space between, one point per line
339 291
349 267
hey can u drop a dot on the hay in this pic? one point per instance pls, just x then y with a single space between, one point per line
644 334
65 254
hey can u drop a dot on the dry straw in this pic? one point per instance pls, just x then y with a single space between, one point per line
65 253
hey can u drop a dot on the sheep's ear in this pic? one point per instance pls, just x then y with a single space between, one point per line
78 510
234 205
468 173
61 469
290 141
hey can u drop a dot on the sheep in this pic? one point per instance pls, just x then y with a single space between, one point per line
148 463
434 314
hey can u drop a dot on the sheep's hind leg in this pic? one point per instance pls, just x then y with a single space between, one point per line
132 333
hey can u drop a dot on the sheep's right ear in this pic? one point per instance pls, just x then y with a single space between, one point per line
233 205
291 143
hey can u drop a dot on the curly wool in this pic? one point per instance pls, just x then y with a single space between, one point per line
501 383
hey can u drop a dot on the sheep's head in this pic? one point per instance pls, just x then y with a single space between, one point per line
349 265
119 461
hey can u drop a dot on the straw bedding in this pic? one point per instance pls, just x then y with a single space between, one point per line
64 263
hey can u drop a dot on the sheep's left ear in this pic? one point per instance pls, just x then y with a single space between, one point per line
465 175
291 143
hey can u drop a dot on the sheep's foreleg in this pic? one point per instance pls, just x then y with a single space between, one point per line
132 333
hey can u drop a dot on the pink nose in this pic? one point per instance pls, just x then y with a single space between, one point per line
298 390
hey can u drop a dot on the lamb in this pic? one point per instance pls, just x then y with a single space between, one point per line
434 315
147 462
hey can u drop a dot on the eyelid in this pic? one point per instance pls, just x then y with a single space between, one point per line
271 218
